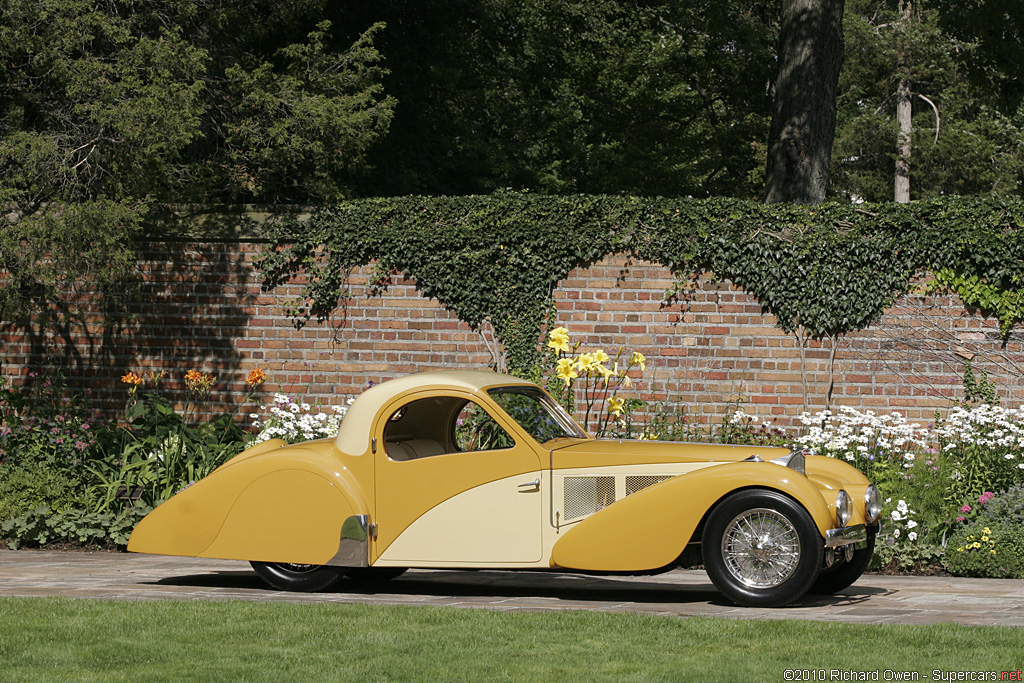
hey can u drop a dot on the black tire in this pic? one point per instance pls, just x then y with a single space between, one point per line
774 569
373 574
842 574
305 578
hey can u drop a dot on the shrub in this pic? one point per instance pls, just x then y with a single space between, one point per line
986 550
39 425
25 487
160 450
41 526
984 446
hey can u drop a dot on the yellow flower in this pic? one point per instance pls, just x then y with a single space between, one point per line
616 405
639 359
986 531
976 545
605 373
566 370
600 356
993 552
586 363
558 339
984 538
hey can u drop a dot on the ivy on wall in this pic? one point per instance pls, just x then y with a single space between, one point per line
820 270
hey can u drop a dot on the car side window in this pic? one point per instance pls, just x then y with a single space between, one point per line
475 430
439 425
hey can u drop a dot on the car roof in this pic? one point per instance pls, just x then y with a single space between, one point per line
354 434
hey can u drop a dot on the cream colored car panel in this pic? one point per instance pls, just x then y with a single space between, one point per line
497 524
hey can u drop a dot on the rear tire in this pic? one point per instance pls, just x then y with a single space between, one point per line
305 578
761 548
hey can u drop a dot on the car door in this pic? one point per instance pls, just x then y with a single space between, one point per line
456 484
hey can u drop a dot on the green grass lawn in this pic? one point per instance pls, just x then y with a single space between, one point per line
57 639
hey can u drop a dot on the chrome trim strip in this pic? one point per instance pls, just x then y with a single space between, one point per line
858 533
794 460
354 544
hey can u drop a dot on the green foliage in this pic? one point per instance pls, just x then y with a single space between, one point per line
1007 305
969 143
296 131
821 271
40 527
161 451
574 96
978 390
23 488
62 251
39 424
1005 508
986 549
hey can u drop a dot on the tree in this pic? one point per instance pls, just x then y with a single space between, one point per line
965 137
804 113
597 96
108 107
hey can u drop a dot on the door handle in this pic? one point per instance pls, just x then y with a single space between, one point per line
535 485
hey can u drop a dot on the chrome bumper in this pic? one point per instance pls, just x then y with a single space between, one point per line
858 533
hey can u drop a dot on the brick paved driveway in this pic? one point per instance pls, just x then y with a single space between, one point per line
874 599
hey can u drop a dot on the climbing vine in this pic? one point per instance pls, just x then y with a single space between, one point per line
820 270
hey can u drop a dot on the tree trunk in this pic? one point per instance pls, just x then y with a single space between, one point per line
903 112
804 113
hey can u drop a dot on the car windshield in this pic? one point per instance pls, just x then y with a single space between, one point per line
536 412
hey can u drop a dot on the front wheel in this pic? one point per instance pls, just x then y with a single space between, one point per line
761 548
305 578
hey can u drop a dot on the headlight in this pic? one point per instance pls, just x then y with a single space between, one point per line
844 507
872 504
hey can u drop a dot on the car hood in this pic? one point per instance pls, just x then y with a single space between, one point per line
611 452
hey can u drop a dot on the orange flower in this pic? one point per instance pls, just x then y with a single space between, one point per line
198 382
132 379
256 377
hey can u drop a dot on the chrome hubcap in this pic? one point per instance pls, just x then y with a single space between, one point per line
761 548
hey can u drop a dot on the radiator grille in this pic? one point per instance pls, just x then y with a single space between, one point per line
639 483
586 495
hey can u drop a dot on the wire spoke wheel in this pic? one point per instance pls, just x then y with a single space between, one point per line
761 548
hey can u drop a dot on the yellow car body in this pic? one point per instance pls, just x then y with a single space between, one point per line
473 469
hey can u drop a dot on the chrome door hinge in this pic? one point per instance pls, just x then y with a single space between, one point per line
373 531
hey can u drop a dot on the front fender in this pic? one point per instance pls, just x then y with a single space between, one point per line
650 529
278 504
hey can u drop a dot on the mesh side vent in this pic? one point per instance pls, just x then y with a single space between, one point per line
639 483
586 495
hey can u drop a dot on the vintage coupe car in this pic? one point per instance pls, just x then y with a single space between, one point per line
473 469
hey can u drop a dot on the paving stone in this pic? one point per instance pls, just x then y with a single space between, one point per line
875 599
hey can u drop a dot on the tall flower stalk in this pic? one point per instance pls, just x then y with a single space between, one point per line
596 379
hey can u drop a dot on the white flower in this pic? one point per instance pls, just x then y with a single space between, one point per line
911 524
896 533
912 535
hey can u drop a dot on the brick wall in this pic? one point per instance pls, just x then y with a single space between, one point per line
201 306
